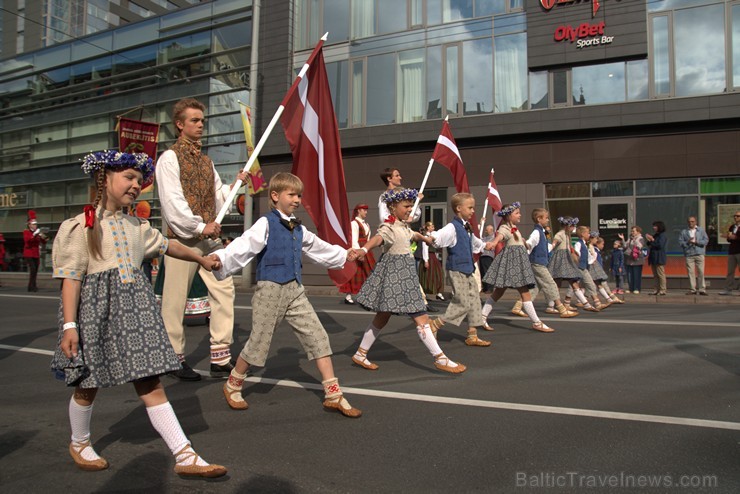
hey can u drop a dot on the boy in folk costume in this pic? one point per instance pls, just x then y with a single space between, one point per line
277 241
360 234
539 257
461 244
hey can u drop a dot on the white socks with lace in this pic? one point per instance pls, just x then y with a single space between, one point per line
79 420
371 334
165 422
427 337
529 309
487 307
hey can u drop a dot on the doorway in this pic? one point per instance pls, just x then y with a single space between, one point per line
612 216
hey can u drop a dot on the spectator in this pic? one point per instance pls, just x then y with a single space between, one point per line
634 258
733 255
33 237
657 256
693 241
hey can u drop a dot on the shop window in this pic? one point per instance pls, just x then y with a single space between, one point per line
579 208
666 187
723 185
673 211
562 191
718 210
612 189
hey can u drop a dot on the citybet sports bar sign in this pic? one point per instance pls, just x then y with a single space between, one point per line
568 32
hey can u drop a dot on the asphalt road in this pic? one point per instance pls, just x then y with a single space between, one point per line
639 398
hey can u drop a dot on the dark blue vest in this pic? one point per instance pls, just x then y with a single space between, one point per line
280 260
598 257
583 260
539 254
460 257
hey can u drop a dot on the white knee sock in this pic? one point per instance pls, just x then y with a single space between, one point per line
79 420
426 337
605 294
529 309
551 303
371 334
581 297
487 307
165 422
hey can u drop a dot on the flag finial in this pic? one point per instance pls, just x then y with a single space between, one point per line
447 118
325 36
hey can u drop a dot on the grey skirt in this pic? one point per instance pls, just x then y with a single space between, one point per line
122 335
562 267
393 286
511 268
597 272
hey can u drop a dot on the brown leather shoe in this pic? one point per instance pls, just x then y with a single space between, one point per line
360 358
342 406
442 362
542 327
235 404
473 340
83 464
194 470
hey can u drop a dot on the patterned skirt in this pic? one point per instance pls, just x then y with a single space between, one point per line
122 335
562 267
364 268
433 279
197 304
597 272
393 286
510 269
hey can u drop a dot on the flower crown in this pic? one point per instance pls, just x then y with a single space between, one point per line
116 160
392 196
594 233
567 220
509 209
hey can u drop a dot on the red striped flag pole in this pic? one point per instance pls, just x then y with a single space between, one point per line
275 118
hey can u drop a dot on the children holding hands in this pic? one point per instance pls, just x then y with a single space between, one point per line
393 287
110 327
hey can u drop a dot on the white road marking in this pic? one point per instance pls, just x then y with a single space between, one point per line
499 405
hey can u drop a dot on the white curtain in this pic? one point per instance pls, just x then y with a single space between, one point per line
510 90
363 18
410 86
357 95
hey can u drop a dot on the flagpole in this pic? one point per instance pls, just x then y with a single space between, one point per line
423 184
258 148
485 209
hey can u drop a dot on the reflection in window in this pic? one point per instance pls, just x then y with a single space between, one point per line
183 50
666 187
611 189
714 224
336 20
595 84
538 95
578 208
557 191
357 91
417 12
721 185
363 18
560 87
477 77
736 45
381 102
699 35
391 16
434 12
454 10
637 80
673 211
434 82
490 7
451 78
336 73
410 86
661 57
511 72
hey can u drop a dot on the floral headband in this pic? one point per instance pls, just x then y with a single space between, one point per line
509 209
116 160
392 196
567 220
594 233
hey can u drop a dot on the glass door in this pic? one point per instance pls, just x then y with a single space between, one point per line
612 216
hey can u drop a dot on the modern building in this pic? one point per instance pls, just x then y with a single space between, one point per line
618 112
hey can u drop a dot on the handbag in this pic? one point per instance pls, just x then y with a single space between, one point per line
635 252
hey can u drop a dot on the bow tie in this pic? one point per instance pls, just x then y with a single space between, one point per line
468 228
194 146
291 223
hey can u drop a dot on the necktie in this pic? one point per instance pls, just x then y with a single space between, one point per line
291 223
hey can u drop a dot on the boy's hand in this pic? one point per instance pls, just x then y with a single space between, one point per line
69 343
351 255
211 262
489 246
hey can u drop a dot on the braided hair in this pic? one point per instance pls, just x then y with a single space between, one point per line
94 234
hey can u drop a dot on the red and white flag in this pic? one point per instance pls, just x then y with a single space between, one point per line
493 198
447 155
311 129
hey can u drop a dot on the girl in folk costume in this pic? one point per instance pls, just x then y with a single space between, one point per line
431 274
584 256
393 287
596 269
33 238
457 236
511 267
360 234
110 328
562 265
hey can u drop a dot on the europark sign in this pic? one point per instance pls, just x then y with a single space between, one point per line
585 34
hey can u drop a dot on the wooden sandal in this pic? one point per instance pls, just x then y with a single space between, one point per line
360 358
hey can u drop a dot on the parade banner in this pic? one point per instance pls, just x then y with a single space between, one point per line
138 137
257 182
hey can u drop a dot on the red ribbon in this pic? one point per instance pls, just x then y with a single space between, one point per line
390 219
89 216
514 229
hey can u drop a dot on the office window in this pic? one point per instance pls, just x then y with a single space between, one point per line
336 73
511 72
455 10
538 90
477 77
595 84
560 87
637 80
381 100
452 94
434 82
410 86
736 45
661 56
392 16
699 38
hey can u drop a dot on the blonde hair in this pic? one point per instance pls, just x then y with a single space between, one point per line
538 213
582 229
284 181
458 199
95 233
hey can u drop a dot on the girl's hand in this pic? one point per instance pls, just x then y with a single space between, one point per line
69 343
490 245
211 262
426 264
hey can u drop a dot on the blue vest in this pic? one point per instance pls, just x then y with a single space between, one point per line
539 254
598 257
583 260
280 260
460 257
